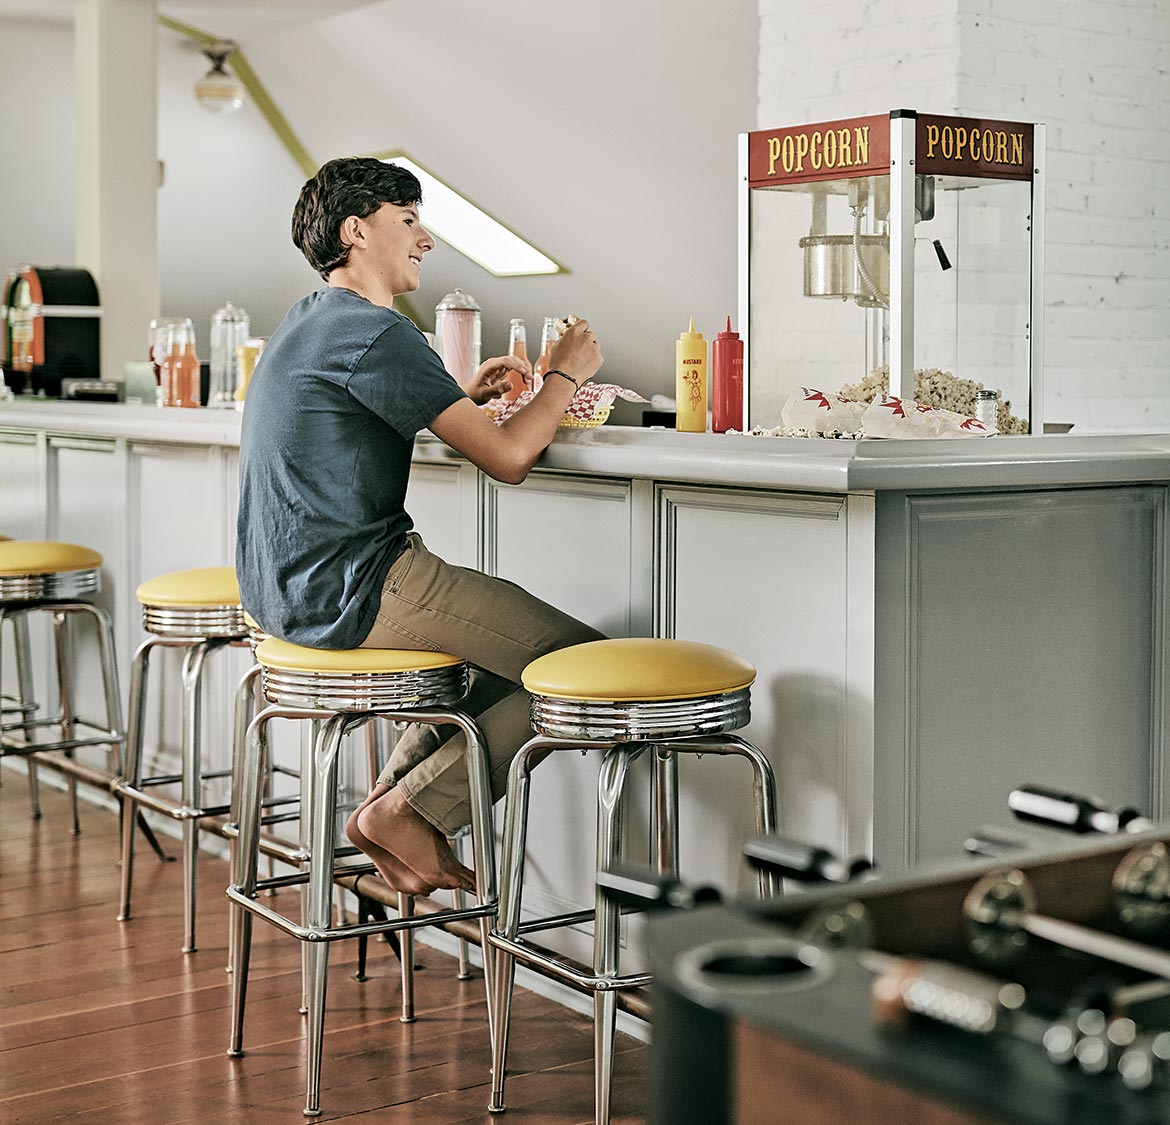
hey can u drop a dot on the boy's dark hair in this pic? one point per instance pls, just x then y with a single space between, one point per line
351 185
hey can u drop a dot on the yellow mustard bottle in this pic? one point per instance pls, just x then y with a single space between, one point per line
690 354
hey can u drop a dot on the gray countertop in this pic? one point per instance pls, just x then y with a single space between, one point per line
623 451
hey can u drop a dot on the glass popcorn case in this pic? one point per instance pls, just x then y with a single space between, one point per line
898 253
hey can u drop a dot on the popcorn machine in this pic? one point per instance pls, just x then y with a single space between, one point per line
921 241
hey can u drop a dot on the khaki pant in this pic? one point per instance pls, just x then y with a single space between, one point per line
495 626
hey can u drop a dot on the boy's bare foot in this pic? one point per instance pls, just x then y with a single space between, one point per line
397 874
388 822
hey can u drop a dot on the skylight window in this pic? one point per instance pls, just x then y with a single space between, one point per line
472 231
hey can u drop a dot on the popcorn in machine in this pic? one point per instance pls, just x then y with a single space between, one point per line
921 242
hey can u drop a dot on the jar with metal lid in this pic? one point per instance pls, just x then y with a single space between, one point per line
230 327
457 333
987 409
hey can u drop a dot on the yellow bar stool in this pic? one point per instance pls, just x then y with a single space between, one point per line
38 576
199 612
627 697
338 692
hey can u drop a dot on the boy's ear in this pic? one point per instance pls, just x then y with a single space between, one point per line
351 230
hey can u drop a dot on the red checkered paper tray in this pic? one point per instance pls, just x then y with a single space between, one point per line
587 402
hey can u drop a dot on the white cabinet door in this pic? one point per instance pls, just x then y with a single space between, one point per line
576 542
443 502
23 510
177 521
767 575
23 515
87 479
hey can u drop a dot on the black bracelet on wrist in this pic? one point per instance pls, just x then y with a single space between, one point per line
564 375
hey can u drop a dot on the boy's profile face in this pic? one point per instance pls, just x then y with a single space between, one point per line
391 245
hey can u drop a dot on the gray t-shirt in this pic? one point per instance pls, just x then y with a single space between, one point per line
331 413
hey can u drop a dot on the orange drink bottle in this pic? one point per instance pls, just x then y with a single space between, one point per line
548 337
517 347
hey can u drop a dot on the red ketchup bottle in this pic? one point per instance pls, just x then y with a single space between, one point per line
727 381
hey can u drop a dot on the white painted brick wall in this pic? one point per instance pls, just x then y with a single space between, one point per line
1098 73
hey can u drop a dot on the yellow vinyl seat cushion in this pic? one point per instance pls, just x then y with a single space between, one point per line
36 556
646 669
275 653
204 585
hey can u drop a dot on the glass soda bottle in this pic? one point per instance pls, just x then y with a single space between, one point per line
180 367
548 337
518 348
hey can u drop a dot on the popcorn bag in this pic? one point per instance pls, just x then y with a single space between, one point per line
889 417
822 412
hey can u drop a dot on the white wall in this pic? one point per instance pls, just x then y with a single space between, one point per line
1097 72
224 206
605 133
36 165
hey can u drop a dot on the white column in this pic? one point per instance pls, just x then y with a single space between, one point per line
116 68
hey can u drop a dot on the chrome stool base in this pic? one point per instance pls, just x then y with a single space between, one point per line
199 631
24 735
630 730
398 696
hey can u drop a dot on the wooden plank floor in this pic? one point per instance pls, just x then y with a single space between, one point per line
109 1022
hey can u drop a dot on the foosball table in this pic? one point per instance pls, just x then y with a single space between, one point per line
1021 985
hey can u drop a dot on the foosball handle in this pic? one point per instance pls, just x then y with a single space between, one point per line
991 843
802 862
1072 813
639 888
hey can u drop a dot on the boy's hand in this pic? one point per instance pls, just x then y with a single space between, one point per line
577 353
494 376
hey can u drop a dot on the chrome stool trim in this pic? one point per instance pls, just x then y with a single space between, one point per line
21 736
195 621
639 720
257 637
317 928
619 753
365 691
45 587
133 789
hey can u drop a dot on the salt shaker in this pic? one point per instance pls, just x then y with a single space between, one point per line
987 409
457 328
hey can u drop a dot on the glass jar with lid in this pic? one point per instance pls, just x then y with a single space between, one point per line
230 327
458 334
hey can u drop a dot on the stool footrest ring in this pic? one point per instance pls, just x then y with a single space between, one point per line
527 953
174 809
365 929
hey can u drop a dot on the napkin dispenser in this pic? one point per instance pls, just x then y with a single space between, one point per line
50 333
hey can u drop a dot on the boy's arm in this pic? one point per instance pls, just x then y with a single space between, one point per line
507 452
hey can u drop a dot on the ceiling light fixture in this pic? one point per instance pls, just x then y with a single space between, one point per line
472 231
217 90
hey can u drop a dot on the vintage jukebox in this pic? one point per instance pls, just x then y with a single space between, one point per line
874 247
50 334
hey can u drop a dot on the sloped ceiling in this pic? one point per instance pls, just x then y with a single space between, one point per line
603 132
606 133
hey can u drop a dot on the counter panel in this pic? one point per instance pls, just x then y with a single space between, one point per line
84 474
443 502
24 511
851 573
764 574
1020 640
573 541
